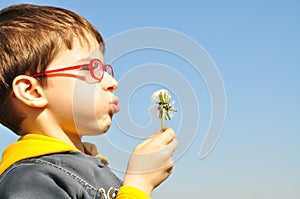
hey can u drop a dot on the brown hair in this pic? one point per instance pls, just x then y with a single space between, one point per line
30 38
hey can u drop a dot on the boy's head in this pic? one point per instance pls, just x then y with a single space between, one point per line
31 37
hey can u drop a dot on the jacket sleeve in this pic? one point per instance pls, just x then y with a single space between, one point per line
129 192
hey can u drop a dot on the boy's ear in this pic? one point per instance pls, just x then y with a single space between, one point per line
29 91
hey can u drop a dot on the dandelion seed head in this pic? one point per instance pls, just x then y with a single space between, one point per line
155 95
162 103
155 111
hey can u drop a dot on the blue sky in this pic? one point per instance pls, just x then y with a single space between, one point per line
255 46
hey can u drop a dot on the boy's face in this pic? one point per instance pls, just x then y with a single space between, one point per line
75 106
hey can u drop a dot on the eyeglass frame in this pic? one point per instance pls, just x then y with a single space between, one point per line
81 66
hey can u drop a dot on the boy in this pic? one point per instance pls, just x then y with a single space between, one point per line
46 55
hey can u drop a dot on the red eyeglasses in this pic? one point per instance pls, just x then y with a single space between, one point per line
93 72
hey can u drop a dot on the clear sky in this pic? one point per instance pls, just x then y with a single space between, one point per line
252 51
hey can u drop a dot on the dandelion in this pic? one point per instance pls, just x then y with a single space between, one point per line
163 106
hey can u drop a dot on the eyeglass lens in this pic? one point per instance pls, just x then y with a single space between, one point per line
97 67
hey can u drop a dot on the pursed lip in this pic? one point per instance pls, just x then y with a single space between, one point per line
114 104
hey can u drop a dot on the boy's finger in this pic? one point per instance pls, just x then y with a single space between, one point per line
172 146
166 137
158 133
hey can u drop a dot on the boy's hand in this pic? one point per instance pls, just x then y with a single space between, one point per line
151 162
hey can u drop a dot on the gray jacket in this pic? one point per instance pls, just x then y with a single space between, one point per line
62 176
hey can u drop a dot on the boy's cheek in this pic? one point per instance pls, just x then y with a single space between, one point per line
87 104
82 91
91 122
89 99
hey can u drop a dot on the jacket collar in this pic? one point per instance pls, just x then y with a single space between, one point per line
32 145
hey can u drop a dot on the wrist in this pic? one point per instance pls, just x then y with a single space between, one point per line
135 181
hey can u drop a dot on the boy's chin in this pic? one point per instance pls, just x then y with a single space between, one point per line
97 130
93 126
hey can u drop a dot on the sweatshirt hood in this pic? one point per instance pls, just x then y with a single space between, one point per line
32 145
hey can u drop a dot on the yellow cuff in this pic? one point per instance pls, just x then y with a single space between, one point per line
128 192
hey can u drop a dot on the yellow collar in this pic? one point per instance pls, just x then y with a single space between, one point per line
32 145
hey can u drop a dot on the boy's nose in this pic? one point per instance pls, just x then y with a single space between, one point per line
108 83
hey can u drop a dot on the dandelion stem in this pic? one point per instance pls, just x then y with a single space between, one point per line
163 118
